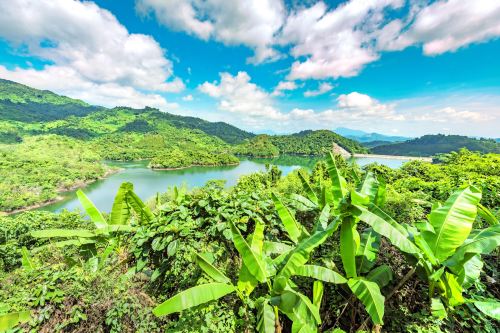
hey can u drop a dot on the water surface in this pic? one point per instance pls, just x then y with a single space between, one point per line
148 182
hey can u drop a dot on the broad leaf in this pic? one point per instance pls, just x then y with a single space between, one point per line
12 319
349 243
26 261
384 225
120 212
490 308
452 222
291 226
252 261
453 290
318 290
381 275
366 254
300 255
91 209
265 317
275 248
211 270
52 233
311 195
139 207
339 187
487 215
320 273
369 294
437 308
369 187
193 297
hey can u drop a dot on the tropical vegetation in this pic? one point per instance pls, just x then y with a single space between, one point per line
335 249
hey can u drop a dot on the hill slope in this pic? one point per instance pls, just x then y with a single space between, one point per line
20 103
304 143
429 145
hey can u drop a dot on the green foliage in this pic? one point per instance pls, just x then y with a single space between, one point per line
429 145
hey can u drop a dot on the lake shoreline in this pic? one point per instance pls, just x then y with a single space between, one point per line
61 191
193 165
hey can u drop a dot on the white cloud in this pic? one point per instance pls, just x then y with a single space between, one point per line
238 22
284 86
237 95
322 89
87 48
187 98
337 42
445 26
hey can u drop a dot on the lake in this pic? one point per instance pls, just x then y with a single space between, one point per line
148 182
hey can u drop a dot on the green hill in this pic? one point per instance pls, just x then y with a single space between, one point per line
303 143
23 104
429 145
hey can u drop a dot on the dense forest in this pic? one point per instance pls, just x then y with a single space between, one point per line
337 249
303 143
429 145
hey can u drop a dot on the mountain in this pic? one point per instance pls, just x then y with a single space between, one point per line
363 137
429 145
20 103
305 143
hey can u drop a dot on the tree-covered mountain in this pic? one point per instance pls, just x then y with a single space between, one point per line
429 145
24 104
305 143
362 136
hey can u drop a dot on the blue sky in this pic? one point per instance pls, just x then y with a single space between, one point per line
390 66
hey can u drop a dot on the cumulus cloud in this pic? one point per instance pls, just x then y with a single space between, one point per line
86 48
237 95
337 42
238 22
283 86
187 98
322 89
445 26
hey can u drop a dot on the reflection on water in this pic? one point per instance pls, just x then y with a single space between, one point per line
148 182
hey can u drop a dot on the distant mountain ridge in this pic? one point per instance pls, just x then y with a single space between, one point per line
429 145
24 104
362 136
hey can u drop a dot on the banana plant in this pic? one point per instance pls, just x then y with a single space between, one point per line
272 265
358 252
447 248
126 202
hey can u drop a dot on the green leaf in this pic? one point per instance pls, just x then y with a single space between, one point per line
452 222
384 225
275 248
369 187
320 273
324 216
193 297
311 195
437 308
211 270
369 294
318 290
300 255
480 242
265 317
349 242
311 308
258 238
453 290
366 254
287 219
12 319
252 261
120 212
490 308
26 261
52 233
381 275
339 187
487 215
139 207
91 209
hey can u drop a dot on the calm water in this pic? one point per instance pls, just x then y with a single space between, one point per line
148 182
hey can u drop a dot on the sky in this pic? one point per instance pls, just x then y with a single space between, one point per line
400 67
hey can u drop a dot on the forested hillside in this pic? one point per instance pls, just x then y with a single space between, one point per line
429 145
304 143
